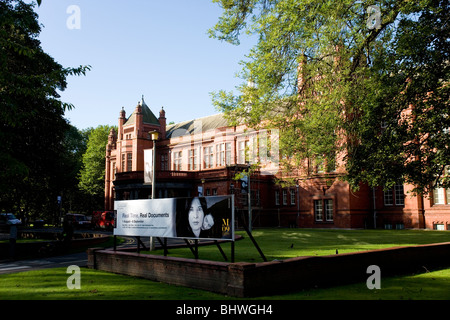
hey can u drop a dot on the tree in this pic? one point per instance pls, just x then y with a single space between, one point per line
92 174
347 81
32 123
73 198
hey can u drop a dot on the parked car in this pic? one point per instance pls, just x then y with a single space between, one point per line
79 221
103 220
39 223
7 220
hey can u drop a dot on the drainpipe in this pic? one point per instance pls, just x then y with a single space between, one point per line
422 224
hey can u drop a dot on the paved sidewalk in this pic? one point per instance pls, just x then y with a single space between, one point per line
80 259
14 266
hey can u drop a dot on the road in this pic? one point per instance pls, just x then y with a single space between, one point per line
79 259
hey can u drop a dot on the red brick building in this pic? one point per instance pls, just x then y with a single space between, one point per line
205 155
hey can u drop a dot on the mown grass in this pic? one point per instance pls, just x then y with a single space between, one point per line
279 244
50 284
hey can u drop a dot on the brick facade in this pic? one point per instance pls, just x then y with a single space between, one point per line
206 153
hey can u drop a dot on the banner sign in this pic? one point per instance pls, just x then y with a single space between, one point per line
148 166
190 218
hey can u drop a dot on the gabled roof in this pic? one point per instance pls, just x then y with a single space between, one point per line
187 127
148 116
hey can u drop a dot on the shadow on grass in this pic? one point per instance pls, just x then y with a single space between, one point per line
279 244
51 284
275 243
427 286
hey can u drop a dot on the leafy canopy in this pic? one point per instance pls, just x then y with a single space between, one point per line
33 129
359 83
92 174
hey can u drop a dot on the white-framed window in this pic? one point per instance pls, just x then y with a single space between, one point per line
328 209
177 160
399 195
193 159
277 197
323 210
164 162
440 195
438 226
129 161
208 157
284 197
318 210
292 194
223 154
395 196
243 152
388 198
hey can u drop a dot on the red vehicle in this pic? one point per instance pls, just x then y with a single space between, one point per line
103 220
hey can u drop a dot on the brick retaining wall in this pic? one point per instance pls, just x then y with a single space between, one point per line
256 279
200 274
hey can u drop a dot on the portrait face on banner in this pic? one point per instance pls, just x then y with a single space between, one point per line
205 217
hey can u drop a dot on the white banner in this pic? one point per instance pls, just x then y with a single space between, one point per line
146 218
191 218
148 166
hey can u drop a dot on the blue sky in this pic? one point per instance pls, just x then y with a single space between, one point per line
159 49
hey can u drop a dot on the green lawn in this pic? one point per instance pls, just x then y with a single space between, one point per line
50 284
289 243
275 243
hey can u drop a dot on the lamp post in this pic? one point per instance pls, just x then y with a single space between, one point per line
154 136
249 194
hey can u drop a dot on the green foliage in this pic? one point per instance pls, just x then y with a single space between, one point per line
92 174
33 130
329 80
